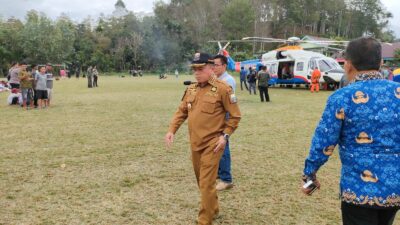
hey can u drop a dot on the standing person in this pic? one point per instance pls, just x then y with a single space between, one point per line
95 76
78 72
362 118
49 83
26 87
315 76
14 80
263 79
205 105
176 73
224 170
90 77
243 74
34 71
252 79
41 86
13 66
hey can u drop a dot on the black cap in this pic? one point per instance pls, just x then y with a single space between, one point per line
201 59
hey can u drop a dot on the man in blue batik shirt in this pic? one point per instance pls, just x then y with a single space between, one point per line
224 171
363 118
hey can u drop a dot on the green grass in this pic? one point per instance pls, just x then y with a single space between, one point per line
97 157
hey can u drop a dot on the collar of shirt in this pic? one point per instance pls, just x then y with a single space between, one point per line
223 76
373 75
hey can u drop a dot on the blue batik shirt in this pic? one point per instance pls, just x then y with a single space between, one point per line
364 120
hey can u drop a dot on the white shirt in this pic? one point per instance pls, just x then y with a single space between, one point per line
228 79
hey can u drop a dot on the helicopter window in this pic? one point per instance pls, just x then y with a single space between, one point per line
334 64
312 64
324 66
300 66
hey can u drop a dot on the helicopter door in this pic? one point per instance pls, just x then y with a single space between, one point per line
300 69
311 66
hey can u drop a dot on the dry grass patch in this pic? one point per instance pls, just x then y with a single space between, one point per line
97 157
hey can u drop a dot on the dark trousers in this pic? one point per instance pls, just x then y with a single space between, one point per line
94 81
90 81
245 85
252 86
263 92
35 98
357 215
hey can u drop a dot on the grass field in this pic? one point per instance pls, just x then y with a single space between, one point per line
97 157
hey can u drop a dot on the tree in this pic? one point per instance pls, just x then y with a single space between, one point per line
237 19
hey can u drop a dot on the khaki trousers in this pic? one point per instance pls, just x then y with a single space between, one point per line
205 165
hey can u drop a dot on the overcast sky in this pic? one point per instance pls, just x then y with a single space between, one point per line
79 9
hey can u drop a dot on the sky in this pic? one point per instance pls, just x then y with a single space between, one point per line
77 10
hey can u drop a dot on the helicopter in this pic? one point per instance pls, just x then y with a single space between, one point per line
290 64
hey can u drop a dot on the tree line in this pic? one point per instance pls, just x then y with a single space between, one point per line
168 39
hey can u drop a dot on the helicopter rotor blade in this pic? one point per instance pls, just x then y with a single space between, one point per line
219 45
227 44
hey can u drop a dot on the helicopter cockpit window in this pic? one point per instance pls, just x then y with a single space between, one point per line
300 66
324 66
334 64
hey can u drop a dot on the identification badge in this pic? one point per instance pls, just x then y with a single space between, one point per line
233 98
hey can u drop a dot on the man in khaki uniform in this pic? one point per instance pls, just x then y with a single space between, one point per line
205 105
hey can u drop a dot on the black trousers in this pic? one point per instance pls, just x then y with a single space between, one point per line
263 92
94 81
90 81
357 215
245 85
35 98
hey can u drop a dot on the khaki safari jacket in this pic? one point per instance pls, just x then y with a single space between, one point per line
206 108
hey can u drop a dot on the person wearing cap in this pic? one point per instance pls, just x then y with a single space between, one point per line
205 105
224 171
363 119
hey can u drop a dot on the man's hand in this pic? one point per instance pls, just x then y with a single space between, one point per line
220 145
309 191
169 139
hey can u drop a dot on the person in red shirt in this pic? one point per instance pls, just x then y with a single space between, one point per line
316 75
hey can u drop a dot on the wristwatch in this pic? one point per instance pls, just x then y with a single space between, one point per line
226 137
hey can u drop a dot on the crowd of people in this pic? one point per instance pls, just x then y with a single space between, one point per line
252 79
361 119
29 87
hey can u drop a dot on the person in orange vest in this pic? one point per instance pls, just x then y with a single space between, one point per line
316 75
